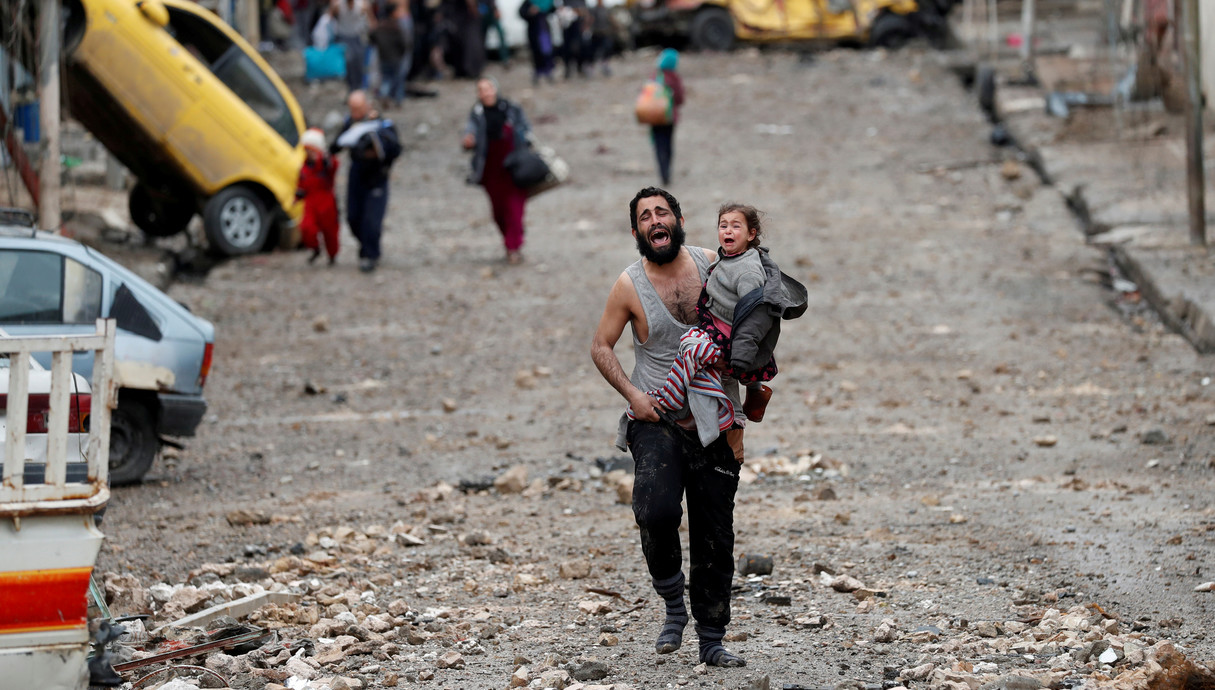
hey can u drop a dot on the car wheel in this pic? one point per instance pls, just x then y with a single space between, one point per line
892 31
713 29
157 218
133 443
236 221
74 25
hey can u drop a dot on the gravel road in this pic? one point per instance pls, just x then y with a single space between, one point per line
962 422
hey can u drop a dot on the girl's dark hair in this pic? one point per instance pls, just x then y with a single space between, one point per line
750 214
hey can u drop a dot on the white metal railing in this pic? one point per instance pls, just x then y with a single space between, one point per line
55 493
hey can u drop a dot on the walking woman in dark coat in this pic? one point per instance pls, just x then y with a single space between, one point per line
495 128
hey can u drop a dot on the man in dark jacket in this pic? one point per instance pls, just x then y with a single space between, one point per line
374 145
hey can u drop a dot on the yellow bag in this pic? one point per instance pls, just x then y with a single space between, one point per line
654 104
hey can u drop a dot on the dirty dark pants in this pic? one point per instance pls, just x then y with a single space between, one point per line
365 206
669 463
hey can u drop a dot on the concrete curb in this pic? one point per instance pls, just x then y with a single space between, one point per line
1180 313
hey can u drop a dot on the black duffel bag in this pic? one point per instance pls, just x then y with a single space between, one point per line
525 167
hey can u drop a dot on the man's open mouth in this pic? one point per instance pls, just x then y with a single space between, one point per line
659 236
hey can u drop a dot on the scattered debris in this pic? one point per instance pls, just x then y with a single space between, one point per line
754 564
1155 437
1010 170
312 624
513 481
243 517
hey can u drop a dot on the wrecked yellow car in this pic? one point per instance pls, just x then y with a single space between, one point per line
718 24
193 111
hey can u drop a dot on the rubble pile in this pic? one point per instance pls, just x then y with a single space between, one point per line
442 592
356 617
1081 647
805 465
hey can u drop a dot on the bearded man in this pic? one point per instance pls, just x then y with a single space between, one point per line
657 297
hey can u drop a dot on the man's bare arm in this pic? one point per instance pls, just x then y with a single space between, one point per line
616 315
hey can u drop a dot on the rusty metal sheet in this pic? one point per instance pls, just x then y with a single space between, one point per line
196 649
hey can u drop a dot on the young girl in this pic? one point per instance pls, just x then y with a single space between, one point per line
320 204
739 313
738 277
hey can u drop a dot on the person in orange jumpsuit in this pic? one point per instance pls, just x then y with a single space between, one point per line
315 188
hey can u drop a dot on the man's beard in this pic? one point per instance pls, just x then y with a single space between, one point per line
667 254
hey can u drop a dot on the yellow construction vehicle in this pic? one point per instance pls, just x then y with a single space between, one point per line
718 24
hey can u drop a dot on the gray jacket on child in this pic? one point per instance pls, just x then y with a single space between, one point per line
758 313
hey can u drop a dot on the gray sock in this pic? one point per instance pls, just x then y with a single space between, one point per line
711 650
671 591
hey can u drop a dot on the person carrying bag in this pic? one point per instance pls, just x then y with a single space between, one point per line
497 128
662 119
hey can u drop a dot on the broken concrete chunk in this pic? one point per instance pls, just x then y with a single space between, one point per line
594 607
513 481
987 629
575 569
300 668
886 632
225 664
845 583
450 660
555 678
919 673
588 669
242 517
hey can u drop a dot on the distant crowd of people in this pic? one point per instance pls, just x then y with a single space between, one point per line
423 40
428 40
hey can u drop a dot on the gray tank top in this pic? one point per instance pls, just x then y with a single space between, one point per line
655 355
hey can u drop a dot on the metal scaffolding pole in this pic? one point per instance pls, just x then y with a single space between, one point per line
1195 178
1027 38
48 100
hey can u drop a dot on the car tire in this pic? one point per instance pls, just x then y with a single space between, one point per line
133 442
712 29
74 25
891 31
157 218
236 221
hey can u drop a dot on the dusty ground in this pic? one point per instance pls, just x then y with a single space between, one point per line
955 322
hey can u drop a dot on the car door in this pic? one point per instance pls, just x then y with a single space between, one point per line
244 128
